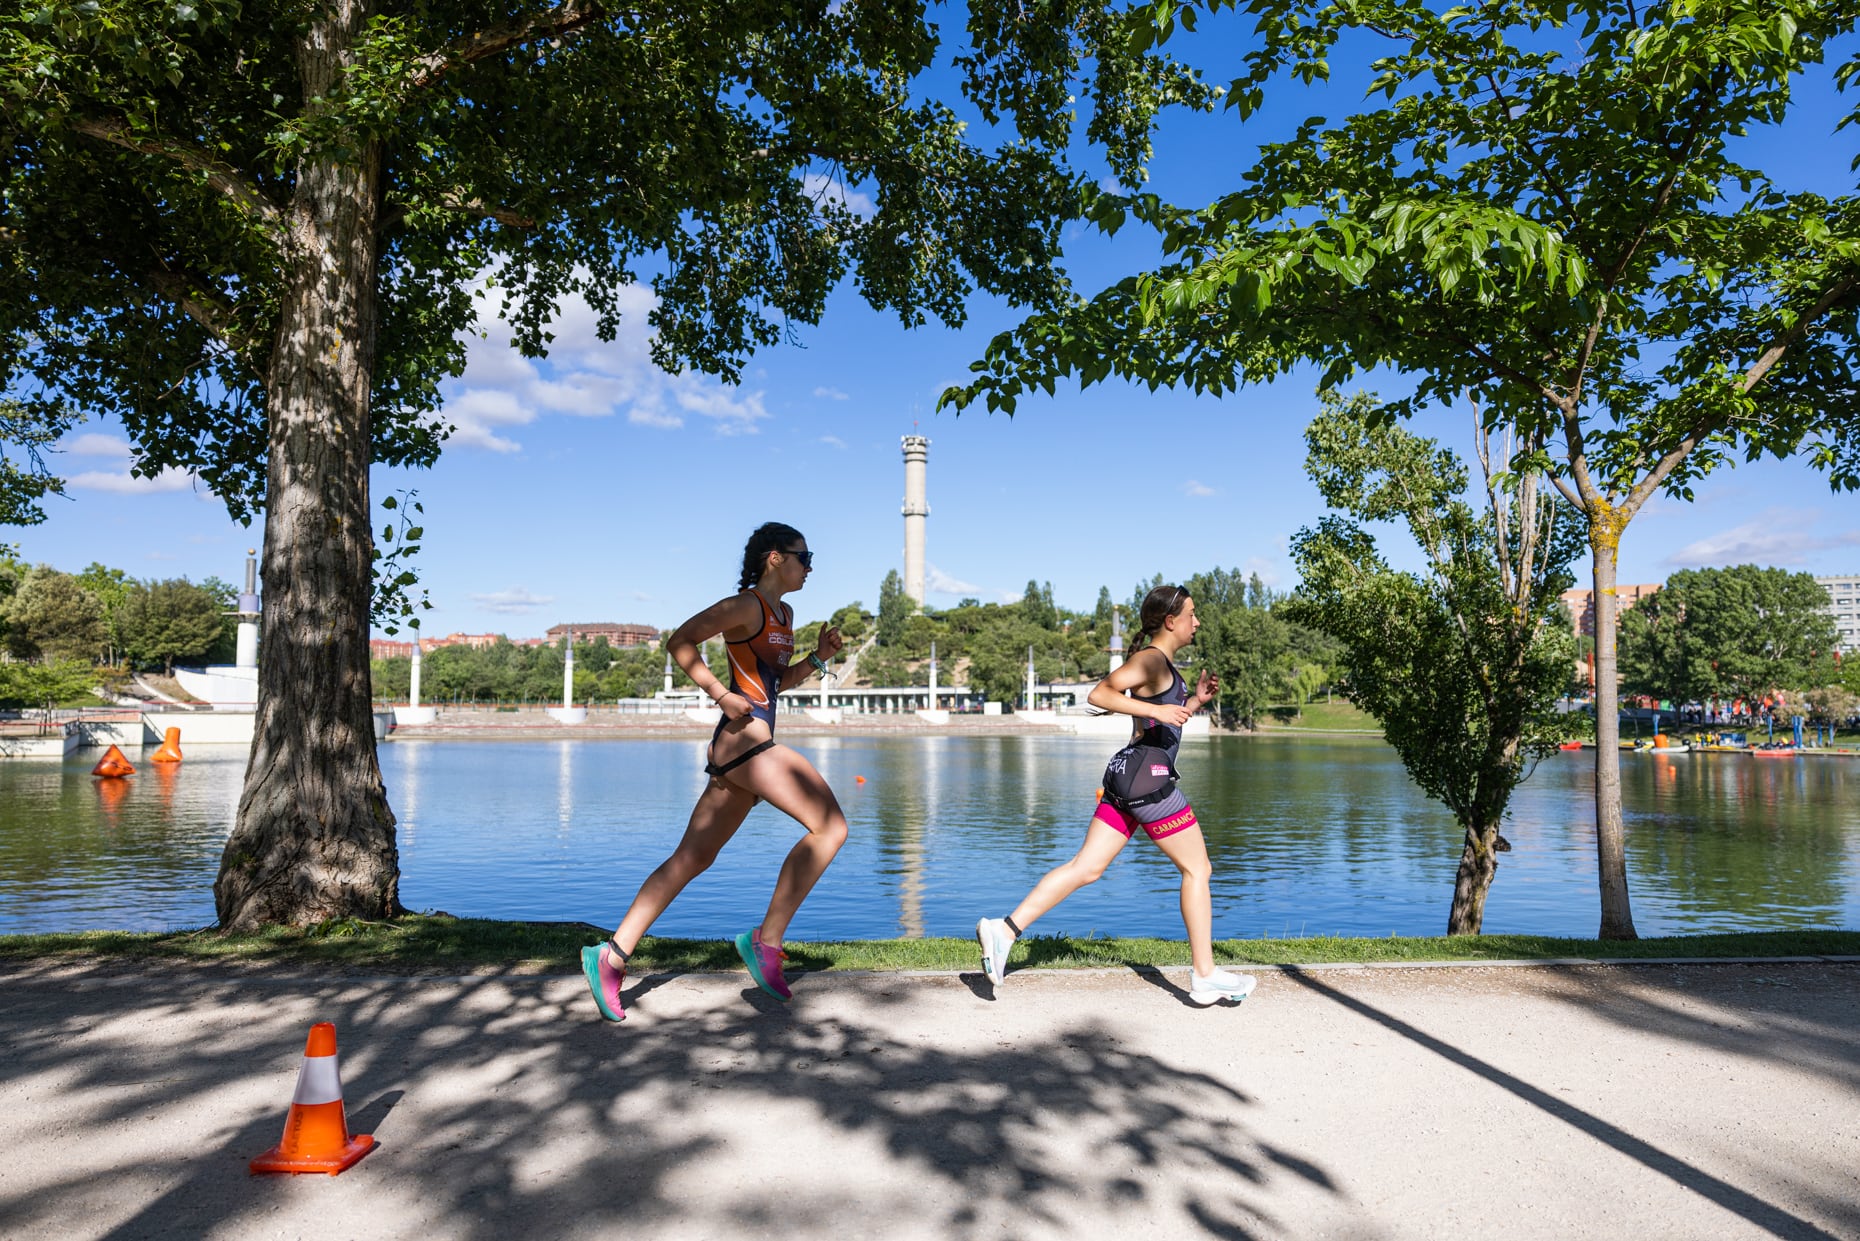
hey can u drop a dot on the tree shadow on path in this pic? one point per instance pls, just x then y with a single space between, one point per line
503 1108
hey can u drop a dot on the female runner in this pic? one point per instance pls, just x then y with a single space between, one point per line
1140 791
745 765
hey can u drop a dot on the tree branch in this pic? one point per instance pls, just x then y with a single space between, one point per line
565 18
1769 357
455 201
220 176
198 302
1752 377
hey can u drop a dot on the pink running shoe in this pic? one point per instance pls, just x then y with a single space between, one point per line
604 981
764 963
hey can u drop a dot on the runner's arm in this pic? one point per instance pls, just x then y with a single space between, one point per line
1135 674
738 612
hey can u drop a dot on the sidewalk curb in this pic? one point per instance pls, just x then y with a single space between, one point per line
205 976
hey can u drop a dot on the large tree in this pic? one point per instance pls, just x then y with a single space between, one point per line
1549 216
51 617
165 621
1739 632
252 232
1461 665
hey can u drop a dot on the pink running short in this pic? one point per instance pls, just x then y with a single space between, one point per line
1127 823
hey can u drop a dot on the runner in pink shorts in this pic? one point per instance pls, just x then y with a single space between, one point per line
1140 790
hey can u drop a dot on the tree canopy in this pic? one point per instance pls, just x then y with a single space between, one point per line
157 157
1739 632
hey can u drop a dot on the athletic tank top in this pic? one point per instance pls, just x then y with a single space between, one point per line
757 662
1155 732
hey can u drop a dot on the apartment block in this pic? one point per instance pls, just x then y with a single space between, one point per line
1581 603
1844 605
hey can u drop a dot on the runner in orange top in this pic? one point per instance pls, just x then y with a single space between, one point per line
744 763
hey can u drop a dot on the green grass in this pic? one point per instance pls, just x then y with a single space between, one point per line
1337 715
437 944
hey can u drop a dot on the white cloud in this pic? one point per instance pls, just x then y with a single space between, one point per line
96 444
821 187
502 391
118 481
1267 570
513 602
830 394
124 483
941 582
1193 488
833 441
1778 537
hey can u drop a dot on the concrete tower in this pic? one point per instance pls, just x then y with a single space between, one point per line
916 508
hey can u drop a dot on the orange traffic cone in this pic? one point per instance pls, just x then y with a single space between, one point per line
170 751
316 1133
112 765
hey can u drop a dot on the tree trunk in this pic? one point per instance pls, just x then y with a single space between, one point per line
315 838
1478 864
1610 850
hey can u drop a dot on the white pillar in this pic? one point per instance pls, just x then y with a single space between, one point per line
1031 683
916 510
668 673
245 643
1117 641
568 668
932 703
413 698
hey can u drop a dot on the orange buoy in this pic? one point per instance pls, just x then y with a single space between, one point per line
1098 796
113 765
316 1131
858 779
170 751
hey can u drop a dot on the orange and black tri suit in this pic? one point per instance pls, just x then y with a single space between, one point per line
756 667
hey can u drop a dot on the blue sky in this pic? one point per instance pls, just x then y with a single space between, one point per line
592 487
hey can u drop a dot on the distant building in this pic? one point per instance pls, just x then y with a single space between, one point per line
387 648
1844 606
1581 604
616 634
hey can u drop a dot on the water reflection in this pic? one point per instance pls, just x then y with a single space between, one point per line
1313 836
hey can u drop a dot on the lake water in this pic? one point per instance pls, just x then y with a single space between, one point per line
1308 836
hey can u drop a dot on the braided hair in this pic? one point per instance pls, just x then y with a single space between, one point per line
770 536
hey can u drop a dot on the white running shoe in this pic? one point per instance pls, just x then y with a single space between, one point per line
996 941
1220 985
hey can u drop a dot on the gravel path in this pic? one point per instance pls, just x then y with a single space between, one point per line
1616 1101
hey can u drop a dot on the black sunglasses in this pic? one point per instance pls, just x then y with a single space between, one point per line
805 557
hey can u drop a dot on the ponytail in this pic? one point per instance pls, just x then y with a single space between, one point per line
770 536
1157 607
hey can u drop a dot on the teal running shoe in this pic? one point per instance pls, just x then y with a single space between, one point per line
764 964
604 981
